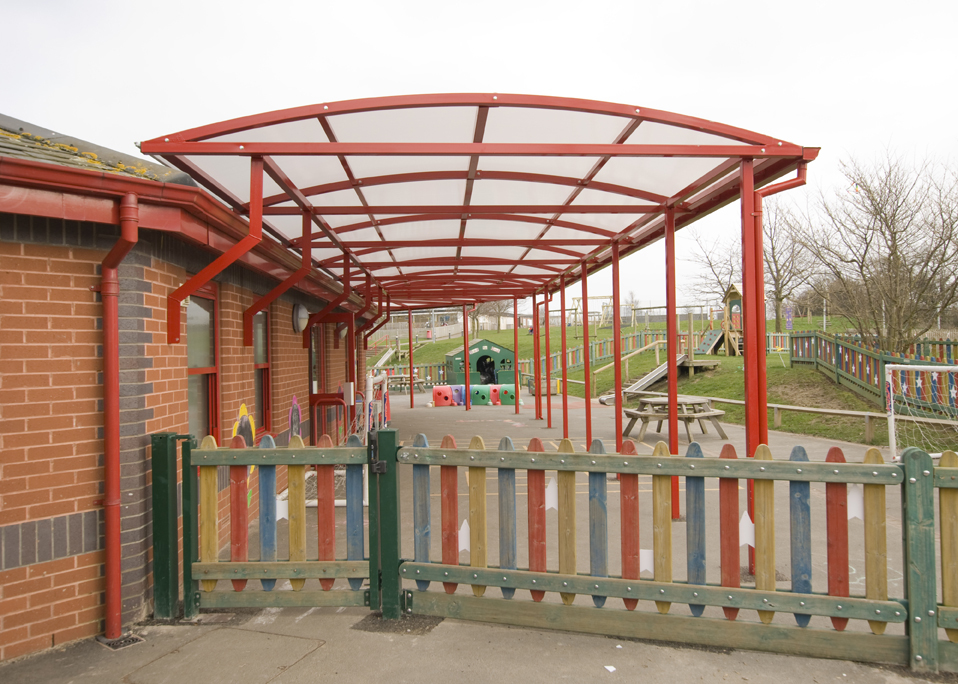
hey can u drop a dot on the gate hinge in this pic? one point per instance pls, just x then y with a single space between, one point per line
196 599
366 598
376 466
407 602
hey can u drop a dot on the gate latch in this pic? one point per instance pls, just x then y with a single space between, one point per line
376 466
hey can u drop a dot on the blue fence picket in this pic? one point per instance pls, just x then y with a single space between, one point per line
267 512
355 532
421 510
598 523
508 546
695 527
801 532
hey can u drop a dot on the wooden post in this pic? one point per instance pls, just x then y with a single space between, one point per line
918 502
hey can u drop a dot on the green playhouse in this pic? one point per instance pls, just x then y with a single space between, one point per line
489 364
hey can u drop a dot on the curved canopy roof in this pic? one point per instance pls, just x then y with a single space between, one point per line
447 199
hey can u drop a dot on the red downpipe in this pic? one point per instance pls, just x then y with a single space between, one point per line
109 292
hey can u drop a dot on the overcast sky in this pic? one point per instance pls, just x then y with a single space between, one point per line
854 78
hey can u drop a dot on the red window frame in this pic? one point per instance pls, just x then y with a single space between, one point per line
266 398
211 292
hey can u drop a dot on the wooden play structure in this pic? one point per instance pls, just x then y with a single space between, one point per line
732 320
489 364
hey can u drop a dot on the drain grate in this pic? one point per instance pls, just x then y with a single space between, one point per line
122 642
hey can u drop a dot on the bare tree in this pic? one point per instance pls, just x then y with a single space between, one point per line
720 265
888 242
493 309
787 262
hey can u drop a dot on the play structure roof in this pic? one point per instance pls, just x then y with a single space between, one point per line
448 199
499 349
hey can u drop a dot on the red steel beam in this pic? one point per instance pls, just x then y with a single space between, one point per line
278 291
417 218
442 149
412 401
427 176
627 111
545 306
175 299
536 365
478 209
383 322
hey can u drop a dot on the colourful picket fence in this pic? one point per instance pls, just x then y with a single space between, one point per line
863 370
822 612
252 486
616 576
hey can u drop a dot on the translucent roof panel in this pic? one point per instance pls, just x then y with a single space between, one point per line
371 167
500 192
661 175
305 130
422 230
420 124
305 172
433 163
534 125
502 230
444 192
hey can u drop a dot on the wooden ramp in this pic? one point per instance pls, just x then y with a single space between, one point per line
646 380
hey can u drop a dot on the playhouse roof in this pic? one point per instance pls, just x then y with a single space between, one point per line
456 198
499 349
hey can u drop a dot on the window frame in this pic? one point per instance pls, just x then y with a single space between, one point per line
211 292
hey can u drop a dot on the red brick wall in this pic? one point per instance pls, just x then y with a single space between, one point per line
289 366
50 443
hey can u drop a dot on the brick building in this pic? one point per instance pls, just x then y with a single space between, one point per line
63 204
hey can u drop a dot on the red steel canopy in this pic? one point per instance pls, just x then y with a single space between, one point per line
436 200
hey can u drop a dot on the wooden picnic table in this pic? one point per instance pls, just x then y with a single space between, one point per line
401 381
690 409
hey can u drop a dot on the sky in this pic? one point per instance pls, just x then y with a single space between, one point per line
858 79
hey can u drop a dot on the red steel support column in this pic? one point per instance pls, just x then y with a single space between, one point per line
545 306
672 348
328 309
753 309
587 356
109 293
412 401
565 365
515 350
536 379
617 346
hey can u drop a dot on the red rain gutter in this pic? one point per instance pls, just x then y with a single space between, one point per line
324 313
274 294
109 292
175 300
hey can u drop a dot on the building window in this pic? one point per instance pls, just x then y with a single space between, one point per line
261 371
202 352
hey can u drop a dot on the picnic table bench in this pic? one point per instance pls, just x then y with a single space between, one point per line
689 409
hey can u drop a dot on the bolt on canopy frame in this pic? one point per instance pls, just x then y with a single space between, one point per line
454 199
